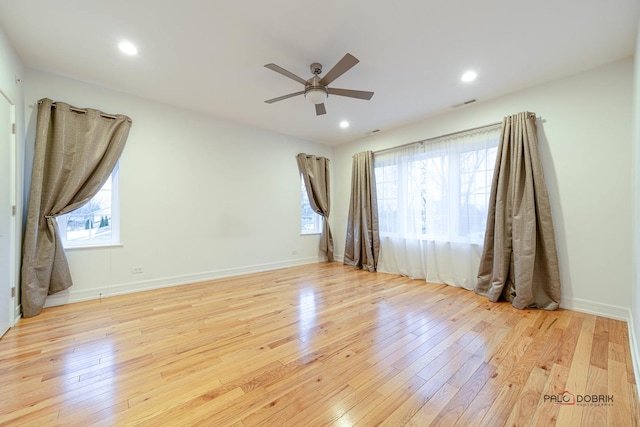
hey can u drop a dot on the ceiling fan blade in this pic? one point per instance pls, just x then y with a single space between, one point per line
339 69
320 110
279 69
280 98
360 94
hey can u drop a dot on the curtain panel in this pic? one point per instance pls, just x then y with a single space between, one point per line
432 201
315 174
362 245
75 152
519 262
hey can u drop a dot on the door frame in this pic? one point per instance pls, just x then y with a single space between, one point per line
13 191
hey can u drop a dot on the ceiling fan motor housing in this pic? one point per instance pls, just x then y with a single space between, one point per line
316 68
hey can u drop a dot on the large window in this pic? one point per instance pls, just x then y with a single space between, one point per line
311 221
433 200
437 190
97 222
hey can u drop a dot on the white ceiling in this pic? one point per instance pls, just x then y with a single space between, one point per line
208 56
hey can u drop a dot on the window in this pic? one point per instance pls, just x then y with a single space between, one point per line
437 190
97 222
311 221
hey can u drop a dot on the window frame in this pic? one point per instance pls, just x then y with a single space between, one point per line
402 167
317 219
114 240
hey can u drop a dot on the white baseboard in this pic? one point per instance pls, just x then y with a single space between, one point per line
599 309
70 295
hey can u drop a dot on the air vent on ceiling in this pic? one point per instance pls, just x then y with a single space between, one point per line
471 101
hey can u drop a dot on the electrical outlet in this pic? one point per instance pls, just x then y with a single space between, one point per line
137 270
294 252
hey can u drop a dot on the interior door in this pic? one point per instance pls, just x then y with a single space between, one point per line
6 215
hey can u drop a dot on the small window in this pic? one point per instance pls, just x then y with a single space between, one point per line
311 221
97 222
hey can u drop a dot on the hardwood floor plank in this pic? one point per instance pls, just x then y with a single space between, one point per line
361 409
627 351
380 413
95 415
578 374
595 413
600 346
195 411
359 395
481 404
570 339
527 402
635 408
549 353
413 408
461 401
33 419
619 413
500 409
325 409
430 410
320 344
547 411
523 367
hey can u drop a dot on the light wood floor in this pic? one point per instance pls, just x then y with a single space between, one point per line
315 345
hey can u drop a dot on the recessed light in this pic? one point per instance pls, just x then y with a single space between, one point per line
469 76
344 124
128 48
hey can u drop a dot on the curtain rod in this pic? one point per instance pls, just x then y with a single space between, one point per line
80 110
313 155
438 137
446 135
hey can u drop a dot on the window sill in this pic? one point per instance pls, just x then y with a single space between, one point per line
313 233
97 246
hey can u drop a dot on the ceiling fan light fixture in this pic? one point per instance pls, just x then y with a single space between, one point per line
315 95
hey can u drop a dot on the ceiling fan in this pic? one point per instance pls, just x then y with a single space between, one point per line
316 89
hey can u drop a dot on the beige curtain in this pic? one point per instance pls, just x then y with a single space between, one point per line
362 247
519 262
75 152
315 174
